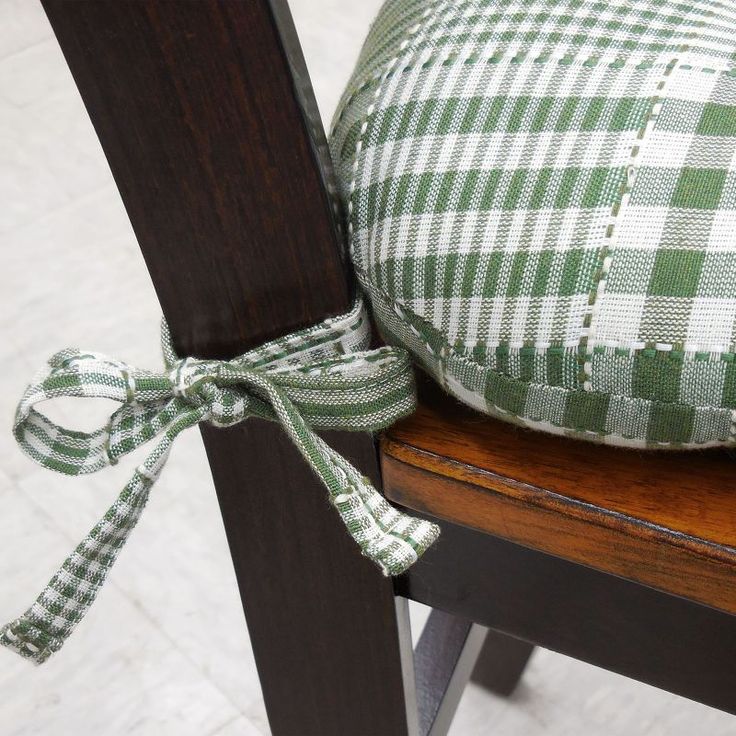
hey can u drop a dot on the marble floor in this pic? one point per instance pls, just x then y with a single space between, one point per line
165 649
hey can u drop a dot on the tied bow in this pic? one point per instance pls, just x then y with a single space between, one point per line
319 378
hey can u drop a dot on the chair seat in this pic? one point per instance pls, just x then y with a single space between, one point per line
665 519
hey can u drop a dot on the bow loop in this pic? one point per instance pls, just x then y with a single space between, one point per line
319 378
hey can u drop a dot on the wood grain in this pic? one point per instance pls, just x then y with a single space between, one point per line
663 519
202 111
219 159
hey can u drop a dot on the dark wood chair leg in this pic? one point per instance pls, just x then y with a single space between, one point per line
501 663
444 658
201 111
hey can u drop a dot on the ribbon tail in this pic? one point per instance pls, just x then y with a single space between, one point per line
45 626
390 538
387 536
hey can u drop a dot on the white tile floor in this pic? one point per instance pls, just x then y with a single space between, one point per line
165 650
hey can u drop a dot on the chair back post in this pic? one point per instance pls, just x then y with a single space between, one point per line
221 164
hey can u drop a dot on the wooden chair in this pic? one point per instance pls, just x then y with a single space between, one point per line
621 559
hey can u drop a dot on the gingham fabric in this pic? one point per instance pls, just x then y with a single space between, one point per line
541 200
322 378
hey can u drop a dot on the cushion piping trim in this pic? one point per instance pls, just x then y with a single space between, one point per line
439 349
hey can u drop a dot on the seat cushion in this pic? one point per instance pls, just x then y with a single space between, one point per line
541 203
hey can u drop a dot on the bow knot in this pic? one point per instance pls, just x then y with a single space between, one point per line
199 384
189 374
319 378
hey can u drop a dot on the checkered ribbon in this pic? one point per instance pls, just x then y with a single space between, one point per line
319 378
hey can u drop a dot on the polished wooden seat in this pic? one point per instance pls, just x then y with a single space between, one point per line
665 519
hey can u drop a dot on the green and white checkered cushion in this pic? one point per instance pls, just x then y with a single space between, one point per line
541 199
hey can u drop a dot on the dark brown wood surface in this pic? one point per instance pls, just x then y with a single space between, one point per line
212 147
501 663
632 629
664 519
444 658
215 160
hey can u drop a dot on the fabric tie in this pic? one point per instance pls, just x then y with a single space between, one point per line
319 378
